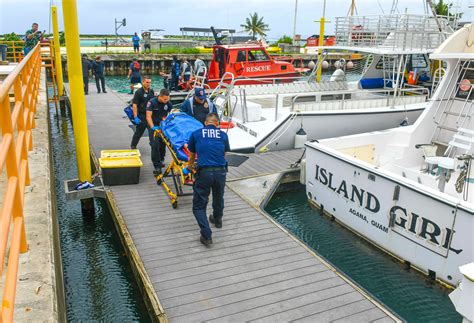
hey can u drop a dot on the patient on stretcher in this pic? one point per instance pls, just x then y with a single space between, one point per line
177 128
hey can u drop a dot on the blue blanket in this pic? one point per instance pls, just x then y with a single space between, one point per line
177 128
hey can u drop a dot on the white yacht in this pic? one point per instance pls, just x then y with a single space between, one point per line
410 190
268 116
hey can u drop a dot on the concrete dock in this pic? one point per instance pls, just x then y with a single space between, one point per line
254 271
39 289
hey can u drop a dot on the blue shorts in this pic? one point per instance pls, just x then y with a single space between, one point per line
136 46
135 79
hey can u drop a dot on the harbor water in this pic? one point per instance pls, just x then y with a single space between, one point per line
407 292
121 84
99 282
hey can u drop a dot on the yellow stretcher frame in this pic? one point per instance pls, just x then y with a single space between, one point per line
175 170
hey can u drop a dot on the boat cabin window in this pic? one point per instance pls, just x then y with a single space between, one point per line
258 55
418 61
241 56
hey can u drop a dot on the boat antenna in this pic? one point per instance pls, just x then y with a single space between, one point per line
352 9
216 37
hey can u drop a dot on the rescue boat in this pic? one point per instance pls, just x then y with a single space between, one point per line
250 63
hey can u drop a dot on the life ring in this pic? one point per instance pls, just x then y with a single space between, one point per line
239 68
226 125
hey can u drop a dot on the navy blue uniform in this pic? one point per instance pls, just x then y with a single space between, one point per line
197 110
86 67
159 112
210 145
135 77
141 99
175 71
98 68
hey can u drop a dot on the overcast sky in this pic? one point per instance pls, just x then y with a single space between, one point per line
97 16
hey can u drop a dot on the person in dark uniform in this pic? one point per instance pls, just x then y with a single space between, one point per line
98 69
86 67
198 106
134 74
175 72
156 110
139 102
210 144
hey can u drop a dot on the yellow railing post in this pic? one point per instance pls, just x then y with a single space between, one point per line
16 122
57 51
78 101
322 21
320 44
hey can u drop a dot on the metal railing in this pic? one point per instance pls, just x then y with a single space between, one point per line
395 32
14 49
18 100
48 61
387 94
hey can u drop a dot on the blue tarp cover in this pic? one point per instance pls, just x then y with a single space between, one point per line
178 127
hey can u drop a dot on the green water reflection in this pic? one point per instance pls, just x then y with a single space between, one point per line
122 83
99 283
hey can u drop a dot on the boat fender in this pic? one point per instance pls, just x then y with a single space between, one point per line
300 138
303 171
226 125
338 75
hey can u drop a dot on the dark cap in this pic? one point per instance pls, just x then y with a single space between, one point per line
200 93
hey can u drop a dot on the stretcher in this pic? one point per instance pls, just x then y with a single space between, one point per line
175 132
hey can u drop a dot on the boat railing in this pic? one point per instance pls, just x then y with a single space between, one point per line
391 101
392 32
454 104
18 102
270 80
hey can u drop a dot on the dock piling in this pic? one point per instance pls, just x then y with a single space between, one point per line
77 98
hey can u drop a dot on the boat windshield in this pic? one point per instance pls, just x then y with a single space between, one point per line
241 56
258 55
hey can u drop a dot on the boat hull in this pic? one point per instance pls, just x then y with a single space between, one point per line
405 220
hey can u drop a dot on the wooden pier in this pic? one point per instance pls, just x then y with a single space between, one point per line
254 271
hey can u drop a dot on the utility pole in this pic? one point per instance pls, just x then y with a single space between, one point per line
294 22
118 24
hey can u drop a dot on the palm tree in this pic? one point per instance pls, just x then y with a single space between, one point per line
442 8
254 25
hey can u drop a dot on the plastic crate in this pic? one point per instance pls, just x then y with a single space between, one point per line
123 153
120 171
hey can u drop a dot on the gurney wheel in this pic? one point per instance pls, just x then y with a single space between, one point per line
174 204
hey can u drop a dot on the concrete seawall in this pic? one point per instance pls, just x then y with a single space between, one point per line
39 294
